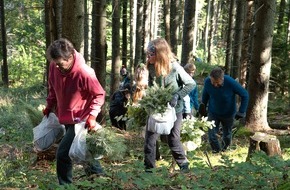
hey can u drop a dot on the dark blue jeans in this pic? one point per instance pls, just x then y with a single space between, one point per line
64 164
227 124
173 141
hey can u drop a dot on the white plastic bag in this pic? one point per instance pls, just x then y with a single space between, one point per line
47 133
162 123
78 149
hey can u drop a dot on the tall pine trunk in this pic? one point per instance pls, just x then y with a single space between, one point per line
124 32
188 29
73 23
246 41
174 19
256 119
99 47
229 50
116 61
237 47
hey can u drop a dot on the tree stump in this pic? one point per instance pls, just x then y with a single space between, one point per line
264 142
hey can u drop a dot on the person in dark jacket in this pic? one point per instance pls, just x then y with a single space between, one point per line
219 95
125 78
118 107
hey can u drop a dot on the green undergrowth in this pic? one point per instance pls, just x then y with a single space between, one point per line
21 111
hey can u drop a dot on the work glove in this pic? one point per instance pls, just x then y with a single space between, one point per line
46 112
187 115
90 123
174 100
239 115
202 110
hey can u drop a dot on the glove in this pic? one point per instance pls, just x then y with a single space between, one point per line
46 112
202 110
174 99
90 123
187 115
239 115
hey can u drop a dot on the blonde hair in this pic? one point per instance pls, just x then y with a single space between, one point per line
141 82
163 56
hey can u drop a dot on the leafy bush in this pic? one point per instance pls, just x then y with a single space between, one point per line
192 131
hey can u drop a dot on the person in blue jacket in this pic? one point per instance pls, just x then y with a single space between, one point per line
191 100
219 95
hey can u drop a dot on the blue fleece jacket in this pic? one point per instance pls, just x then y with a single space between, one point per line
222 100
194 98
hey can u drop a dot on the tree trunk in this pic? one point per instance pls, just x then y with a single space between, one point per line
99 47
58 18
195 30
174 19
115 69
139 33
50 22
4 67
256 119
155 18
206 30
166 13
188 29
212 30
86 31
288 25
237 47
245 48
73 23
133 18
147 19
124 33
50 31
230 35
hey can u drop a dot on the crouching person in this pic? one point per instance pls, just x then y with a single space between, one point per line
118 107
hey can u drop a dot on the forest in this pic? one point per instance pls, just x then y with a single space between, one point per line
249 39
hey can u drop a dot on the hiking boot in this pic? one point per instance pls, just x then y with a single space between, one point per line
184 167
95 168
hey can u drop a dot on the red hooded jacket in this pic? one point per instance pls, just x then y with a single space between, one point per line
75 94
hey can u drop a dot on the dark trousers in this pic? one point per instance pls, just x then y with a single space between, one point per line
227 124
173 141
64 164
119 124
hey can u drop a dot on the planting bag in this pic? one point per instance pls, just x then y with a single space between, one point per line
162 123
47 133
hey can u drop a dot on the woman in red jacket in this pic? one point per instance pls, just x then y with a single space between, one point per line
75 95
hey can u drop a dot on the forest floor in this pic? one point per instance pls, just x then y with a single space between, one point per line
129 172
22 168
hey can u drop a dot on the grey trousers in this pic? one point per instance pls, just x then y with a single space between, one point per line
173 141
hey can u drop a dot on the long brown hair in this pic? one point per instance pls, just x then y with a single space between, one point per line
141 82
163 58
